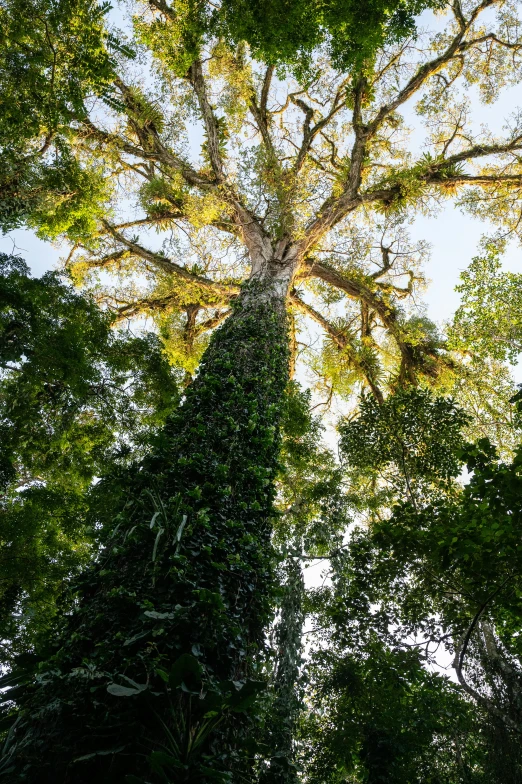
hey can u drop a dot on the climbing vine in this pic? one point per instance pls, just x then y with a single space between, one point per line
160 652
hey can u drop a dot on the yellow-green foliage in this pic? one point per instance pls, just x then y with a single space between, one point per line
202 210
232 67
73 198
345 368
146 112
175 43
182 351
159 196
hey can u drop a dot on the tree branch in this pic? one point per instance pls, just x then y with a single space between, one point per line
335 209
160 154
357 289
310 132
429 69
162 262
210 120
172 301
212 322
260 112
342 342
165 9
458 663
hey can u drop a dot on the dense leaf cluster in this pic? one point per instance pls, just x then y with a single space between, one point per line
489 315
404 448
379 716
54 55
352 32
77 399
286 33
50 66
415 432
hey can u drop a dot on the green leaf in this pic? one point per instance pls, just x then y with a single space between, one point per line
104 753
186 669
125 691
122 691
155 548
159 616
243 699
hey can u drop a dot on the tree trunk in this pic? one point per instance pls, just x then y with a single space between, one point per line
188 572
286 705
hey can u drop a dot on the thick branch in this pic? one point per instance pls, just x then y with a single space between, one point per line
210 120
219 289
222 225
212 322
331 212
310 132
360 291
480 151
335 209
170 302
486 703
430 68
248 223
165 9
266 88
388 195
260 112
190 324
458 663
343 343
160 155
104 261
307 132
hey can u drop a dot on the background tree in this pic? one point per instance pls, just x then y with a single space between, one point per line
439 571
378 715
77 400
50 71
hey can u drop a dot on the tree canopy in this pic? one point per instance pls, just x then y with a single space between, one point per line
312 165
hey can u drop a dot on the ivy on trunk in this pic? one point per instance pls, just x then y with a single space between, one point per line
160 651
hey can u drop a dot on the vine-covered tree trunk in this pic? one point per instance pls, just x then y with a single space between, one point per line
160 650
284 714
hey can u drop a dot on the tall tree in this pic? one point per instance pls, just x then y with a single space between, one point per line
186 574
169 621
305 175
